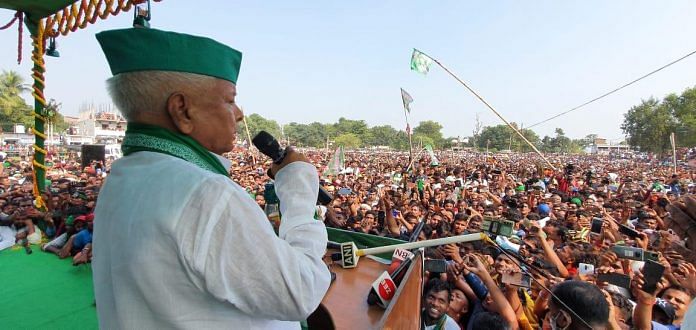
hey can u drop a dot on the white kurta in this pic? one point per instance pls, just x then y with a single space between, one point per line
176 246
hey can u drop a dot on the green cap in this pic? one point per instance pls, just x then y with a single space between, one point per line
69 220
138 49
576 201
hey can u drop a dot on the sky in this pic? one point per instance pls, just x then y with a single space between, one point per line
321 60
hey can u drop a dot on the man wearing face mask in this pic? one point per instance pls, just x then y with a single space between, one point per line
590 309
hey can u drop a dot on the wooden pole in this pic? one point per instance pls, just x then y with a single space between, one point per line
672 139
408 131
246 127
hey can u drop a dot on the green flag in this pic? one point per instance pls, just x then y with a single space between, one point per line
433 159
407 99
336 164
420 62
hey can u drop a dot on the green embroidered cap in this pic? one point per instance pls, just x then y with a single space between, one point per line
138 49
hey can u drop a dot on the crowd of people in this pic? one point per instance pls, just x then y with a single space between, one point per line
64 225
565 265
584 244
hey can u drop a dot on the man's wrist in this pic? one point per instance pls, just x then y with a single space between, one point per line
647 301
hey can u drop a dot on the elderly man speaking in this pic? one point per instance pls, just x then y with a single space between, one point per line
178 244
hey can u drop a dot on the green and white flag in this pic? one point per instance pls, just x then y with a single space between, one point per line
433 159
420 62
336 164
407 99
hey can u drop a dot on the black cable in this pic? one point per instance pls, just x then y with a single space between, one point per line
613 91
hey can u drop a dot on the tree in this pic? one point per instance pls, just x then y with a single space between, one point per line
501 137
560 143
308 135
494 137
430 129
648 126
257 123
54 116
13 108
400 142
348 140
357 127
421 140
683 109
528 134
384 135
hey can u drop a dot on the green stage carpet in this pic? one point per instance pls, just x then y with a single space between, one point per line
40 291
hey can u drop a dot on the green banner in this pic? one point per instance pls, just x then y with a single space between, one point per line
362 240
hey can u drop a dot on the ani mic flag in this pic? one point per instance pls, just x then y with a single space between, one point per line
407 99
420 62
433 159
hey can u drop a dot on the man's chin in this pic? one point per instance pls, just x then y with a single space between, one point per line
435 314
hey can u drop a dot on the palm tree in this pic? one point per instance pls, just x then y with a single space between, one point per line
13 108
12 84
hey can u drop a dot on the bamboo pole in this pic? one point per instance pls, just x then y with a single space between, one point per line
246 127
494 111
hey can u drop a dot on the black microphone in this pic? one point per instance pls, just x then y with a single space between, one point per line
270 147
417 231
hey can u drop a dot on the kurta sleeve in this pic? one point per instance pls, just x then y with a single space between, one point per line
229 245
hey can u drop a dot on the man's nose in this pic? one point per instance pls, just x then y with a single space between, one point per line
238 114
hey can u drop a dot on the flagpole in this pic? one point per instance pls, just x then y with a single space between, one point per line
673 140
410 163
246 127
410 142
494 111
408 127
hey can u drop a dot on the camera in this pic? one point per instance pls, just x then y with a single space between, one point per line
498 227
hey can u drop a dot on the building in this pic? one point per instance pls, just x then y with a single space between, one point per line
95 124
605 146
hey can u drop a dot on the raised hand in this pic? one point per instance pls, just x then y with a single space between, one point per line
452 250
687 276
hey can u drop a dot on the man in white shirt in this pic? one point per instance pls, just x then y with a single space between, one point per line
177 243
435 304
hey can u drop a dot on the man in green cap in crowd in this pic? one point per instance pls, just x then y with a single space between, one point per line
177 243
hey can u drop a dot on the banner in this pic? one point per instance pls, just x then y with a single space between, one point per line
337 162
362 240
433 159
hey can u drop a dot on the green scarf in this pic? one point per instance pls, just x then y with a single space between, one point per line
142 137
440 323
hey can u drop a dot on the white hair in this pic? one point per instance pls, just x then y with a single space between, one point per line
148 91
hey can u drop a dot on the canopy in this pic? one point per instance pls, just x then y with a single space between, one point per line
49 19
35 9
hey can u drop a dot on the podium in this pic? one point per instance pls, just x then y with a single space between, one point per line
345 304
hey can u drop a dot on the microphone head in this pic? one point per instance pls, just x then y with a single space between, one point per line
268 145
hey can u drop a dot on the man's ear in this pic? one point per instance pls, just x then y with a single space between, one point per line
179 106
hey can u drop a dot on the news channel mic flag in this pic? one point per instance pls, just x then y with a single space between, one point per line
177 243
